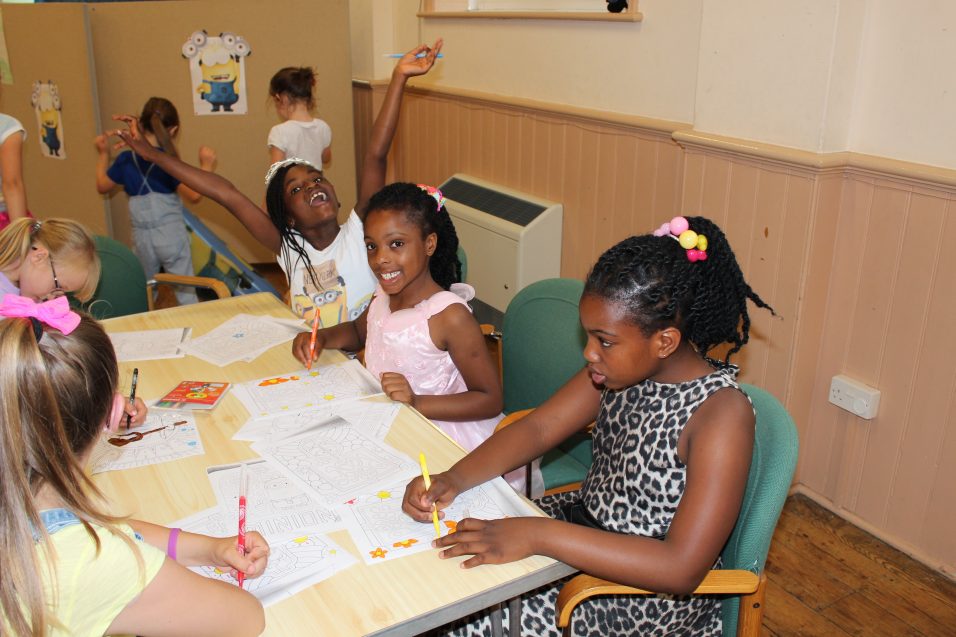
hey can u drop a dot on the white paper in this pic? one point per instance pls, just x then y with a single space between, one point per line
336 462
149 345
307 390
275 505
295 563
374 419
382 531
242 337
164 437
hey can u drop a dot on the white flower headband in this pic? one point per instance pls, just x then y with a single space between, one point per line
274 168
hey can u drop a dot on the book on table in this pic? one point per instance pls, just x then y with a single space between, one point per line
193 394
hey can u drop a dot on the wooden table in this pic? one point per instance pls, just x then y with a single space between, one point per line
401 597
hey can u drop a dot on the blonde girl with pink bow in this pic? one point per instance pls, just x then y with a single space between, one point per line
71 567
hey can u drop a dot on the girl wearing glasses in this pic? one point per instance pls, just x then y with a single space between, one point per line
46 259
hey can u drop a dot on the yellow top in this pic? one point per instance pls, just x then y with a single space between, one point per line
91 589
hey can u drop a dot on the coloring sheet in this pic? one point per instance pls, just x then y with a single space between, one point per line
382 532
149 344
374 419
275 505
307 390
242 337
164 437
335 462
295 562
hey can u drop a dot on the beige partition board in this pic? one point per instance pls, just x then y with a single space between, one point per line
48 43
137 51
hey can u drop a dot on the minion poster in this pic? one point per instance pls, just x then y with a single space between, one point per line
217 72
45 100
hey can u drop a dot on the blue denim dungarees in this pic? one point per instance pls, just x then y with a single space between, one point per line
159 234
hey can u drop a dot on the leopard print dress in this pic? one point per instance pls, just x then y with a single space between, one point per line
634 486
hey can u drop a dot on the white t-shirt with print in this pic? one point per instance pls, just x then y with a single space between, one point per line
343 283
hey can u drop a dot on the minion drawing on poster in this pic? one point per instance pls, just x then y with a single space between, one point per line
45 100
218 74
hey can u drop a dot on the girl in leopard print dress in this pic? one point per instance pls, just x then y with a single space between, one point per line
672 442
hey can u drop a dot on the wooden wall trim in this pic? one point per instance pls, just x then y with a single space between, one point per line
576 113
907 173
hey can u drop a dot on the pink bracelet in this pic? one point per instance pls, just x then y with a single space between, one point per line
171 544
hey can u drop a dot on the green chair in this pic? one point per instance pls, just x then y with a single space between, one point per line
742 582
541 349
123 288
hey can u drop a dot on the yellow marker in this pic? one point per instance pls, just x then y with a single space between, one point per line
428 485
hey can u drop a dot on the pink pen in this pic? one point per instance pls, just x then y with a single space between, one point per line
242 518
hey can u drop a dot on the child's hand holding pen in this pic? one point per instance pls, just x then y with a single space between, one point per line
303 350
251 564
135 412
420 502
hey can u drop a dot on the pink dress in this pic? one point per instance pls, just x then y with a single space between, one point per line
400 342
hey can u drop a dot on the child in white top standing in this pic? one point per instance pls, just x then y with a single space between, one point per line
300 134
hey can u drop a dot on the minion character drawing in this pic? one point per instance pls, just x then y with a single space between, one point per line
217 70
45 100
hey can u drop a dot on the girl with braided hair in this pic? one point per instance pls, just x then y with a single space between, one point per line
672 443
323 261
419 336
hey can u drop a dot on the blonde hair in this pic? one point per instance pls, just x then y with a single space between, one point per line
67 241
56 392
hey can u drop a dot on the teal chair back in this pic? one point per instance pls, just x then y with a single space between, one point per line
771 471
542 347
542 342
122 287
463 258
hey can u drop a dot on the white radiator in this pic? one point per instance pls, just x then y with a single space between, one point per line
510 238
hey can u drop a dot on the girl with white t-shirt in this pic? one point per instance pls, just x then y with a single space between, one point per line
300 134
324 262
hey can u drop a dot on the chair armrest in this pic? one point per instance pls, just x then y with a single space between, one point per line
217 286
512 418
582 587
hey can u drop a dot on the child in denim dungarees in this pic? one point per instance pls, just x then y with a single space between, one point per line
71 567
160 239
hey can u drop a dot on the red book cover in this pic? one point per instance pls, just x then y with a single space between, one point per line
193 394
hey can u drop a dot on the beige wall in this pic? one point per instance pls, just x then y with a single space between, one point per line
824 76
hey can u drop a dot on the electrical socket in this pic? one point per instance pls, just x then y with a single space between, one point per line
855 397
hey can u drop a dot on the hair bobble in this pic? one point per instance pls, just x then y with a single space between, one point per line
274 168
35 227
679 229
435 193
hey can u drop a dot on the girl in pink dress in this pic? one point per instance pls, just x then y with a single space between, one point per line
418 332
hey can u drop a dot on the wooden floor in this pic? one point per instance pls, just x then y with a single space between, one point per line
828 577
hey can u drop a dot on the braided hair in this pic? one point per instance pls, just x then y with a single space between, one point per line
421 209
658 286
280 217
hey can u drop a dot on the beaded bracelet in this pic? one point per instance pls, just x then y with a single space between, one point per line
171 544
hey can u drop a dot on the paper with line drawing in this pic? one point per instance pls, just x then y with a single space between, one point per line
164 437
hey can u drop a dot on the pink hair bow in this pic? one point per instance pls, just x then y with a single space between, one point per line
56 312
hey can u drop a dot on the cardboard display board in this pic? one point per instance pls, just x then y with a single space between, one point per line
133 52
55 187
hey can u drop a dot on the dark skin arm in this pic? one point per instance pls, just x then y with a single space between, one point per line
568 411
349 336
716 445
455 330
375 161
